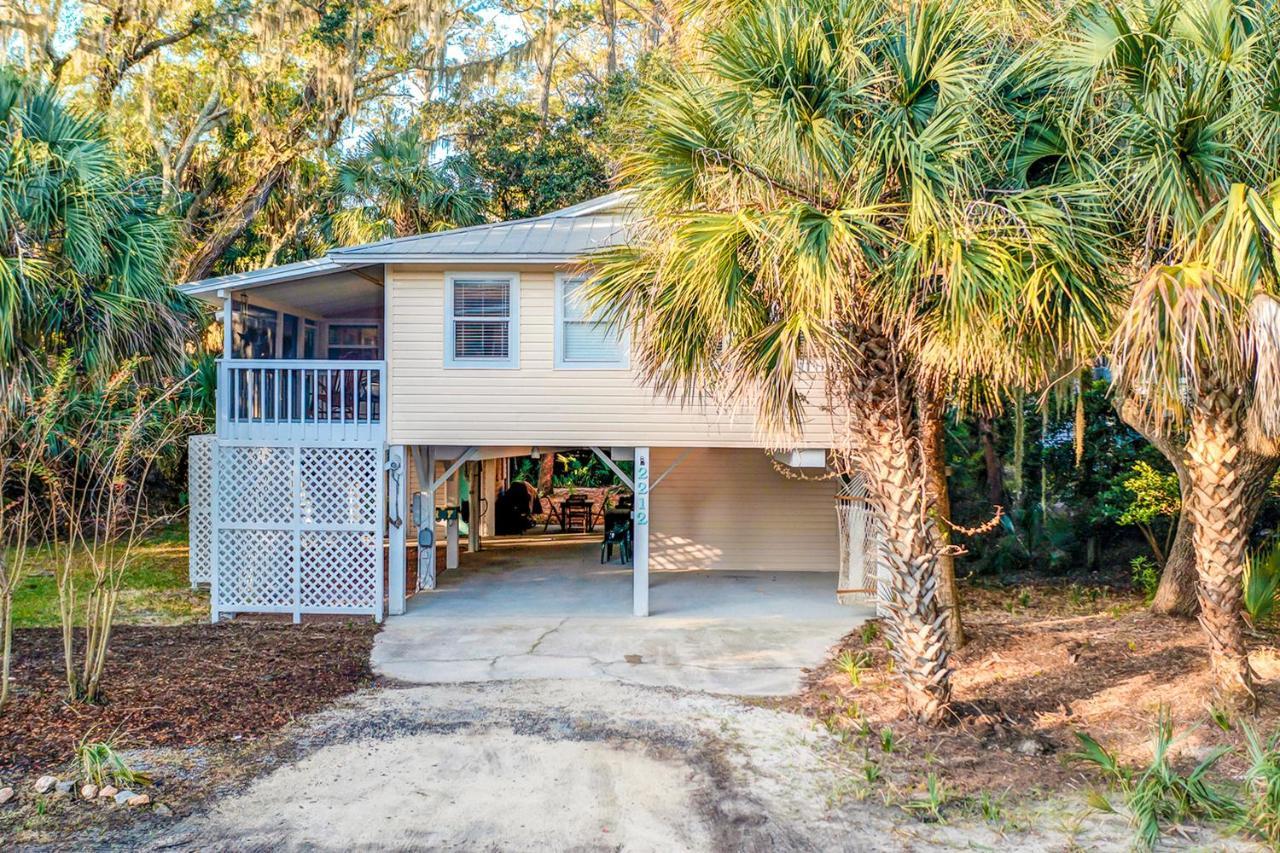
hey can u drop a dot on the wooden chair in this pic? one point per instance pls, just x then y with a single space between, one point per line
576 510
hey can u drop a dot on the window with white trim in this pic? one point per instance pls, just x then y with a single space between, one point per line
581 339
483 321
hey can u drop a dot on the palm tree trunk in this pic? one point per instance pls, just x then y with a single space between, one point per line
1176 595
1217 507
932 411
889 450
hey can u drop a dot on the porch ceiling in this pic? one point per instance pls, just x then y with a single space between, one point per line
340 294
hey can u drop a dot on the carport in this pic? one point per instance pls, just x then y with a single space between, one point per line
548 609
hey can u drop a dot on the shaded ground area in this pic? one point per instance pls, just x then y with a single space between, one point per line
1041 664
181 686
548 608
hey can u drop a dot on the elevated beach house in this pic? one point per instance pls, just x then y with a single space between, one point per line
363 390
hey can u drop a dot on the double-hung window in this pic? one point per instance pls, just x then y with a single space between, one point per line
582 340
483 314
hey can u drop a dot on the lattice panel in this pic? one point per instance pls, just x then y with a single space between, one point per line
255 485
340 485
859 531
298 529
200 450
340 570
255 569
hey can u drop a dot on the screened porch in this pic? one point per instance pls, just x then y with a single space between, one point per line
303 360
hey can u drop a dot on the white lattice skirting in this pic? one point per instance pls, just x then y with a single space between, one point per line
297 529
200 507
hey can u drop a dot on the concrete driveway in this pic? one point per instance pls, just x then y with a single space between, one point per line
549 609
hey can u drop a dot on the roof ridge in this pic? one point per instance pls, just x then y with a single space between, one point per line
573 211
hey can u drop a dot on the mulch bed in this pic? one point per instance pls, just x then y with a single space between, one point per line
179 687
1042 664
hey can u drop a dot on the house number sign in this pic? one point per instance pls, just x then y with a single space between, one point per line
642 487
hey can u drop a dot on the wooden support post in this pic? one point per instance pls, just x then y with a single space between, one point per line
397 510
475 492
452 530
640 532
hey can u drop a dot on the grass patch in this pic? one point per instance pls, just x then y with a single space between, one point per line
155 590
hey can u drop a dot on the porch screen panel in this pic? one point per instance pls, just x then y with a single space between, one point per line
584 339
482 319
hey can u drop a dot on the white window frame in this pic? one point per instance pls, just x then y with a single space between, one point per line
623 362
512 361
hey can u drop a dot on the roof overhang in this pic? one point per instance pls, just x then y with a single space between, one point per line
359 267
215 289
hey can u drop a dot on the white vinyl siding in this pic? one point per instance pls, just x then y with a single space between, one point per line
583 341
483 320
729 508
434 402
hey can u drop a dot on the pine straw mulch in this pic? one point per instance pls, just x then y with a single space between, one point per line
1040 665
178 687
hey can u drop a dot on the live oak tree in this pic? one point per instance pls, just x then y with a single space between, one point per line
1174 107
825 218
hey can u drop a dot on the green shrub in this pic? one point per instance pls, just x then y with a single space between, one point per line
1146 576
1262 583
852 664
1262 786
100 763
1159 794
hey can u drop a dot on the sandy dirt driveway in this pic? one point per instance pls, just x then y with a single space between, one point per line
576 765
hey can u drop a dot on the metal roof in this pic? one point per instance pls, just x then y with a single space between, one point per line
550 238
562 236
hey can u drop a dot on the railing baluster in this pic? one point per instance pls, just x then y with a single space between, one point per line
284 398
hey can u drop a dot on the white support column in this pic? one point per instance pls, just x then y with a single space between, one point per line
228 315
640 532
397 509
424 459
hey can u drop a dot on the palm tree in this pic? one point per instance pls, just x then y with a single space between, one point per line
393 186
1175 106
825 216
83 253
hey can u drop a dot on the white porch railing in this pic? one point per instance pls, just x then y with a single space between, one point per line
282 399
